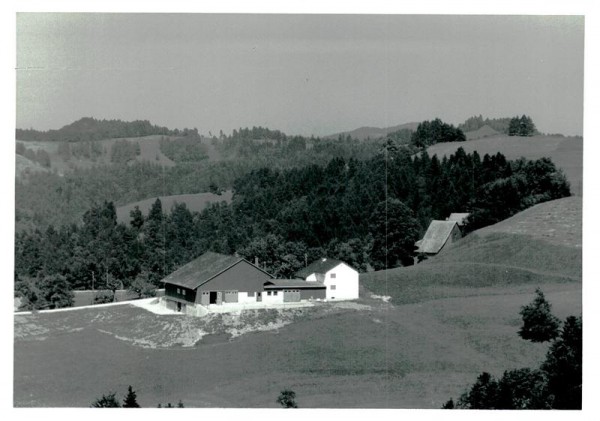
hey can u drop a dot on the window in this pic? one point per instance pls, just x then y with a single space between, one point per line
251 294
183 291
332 276
178 291
274 292
332 287
268 292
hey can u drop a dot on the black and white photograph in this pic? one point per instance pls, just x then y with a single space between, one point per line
298 210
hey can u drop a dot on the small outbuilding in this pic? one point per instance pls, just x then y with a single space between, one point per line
295 290
437 236
340 280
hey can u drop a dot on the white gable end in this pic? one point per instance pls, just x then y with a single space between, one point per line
341 283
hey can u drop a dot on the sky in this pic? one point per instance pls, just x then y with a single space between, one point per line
302 74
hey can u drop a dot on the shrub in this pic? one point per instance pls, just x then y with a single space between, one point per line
287 399
107 401
103 297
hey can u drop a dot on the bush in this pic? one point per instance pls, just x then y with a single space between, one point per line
142 286
103 297
287 399
107 401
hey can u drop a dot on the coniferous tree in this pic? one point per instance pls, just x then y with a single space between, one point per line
539 324
130 400
563 366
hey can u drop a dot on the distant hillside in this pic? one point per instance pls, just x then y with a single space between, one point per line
194 202
565 152
363 133
89 128
539 245
25 166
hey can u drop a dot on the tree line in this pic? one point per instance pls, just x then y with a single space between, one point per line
367 213
88 129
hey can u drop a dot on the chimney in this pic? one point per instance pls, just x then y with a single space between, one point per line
255 261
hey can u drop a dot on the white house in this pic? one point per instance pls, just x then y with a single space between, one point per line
341 280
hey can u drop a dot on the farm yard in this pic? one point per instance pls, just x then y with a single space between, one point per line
371 354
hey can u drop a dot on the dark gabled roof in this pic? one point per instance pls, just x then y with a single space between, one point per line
436 236
318 266
292 283
202 270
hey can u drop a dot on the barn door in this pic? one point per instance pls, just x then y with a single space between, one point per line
259 296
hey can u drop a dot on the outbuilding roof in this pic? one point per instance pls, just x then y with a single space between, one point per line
322 265
459 218
292 283
202 269
436 236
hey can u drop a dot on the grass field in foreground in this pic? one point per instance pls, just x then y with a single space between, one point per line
378 355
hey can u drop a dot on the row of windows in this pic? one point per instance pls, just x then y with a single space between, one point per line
274 292
181 291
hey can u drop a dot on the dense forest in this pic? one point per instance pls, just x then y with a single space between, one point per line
347 208
49 198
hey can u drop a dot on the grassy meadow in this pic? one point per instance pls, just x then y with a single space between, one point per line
376 355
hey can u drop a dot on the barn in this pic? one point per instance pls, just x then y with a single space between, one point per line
437 236
339 279
214 278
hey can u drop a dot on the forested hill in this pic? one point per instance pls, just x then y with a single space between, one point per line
88 128
365 212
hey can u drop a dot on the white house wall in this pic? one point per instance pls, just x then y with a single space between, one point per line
272 299
244 299
345 282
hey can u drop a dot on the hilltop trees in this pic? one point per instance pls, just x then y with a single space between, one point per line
88 128
431 132
521 126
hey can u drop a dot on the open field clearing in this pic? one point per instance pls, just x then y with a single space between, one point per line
374 355
565 152
194 202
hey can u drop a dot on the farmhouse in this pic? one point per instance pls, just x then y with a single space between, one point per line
339 279
217 279
214 279
437 236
